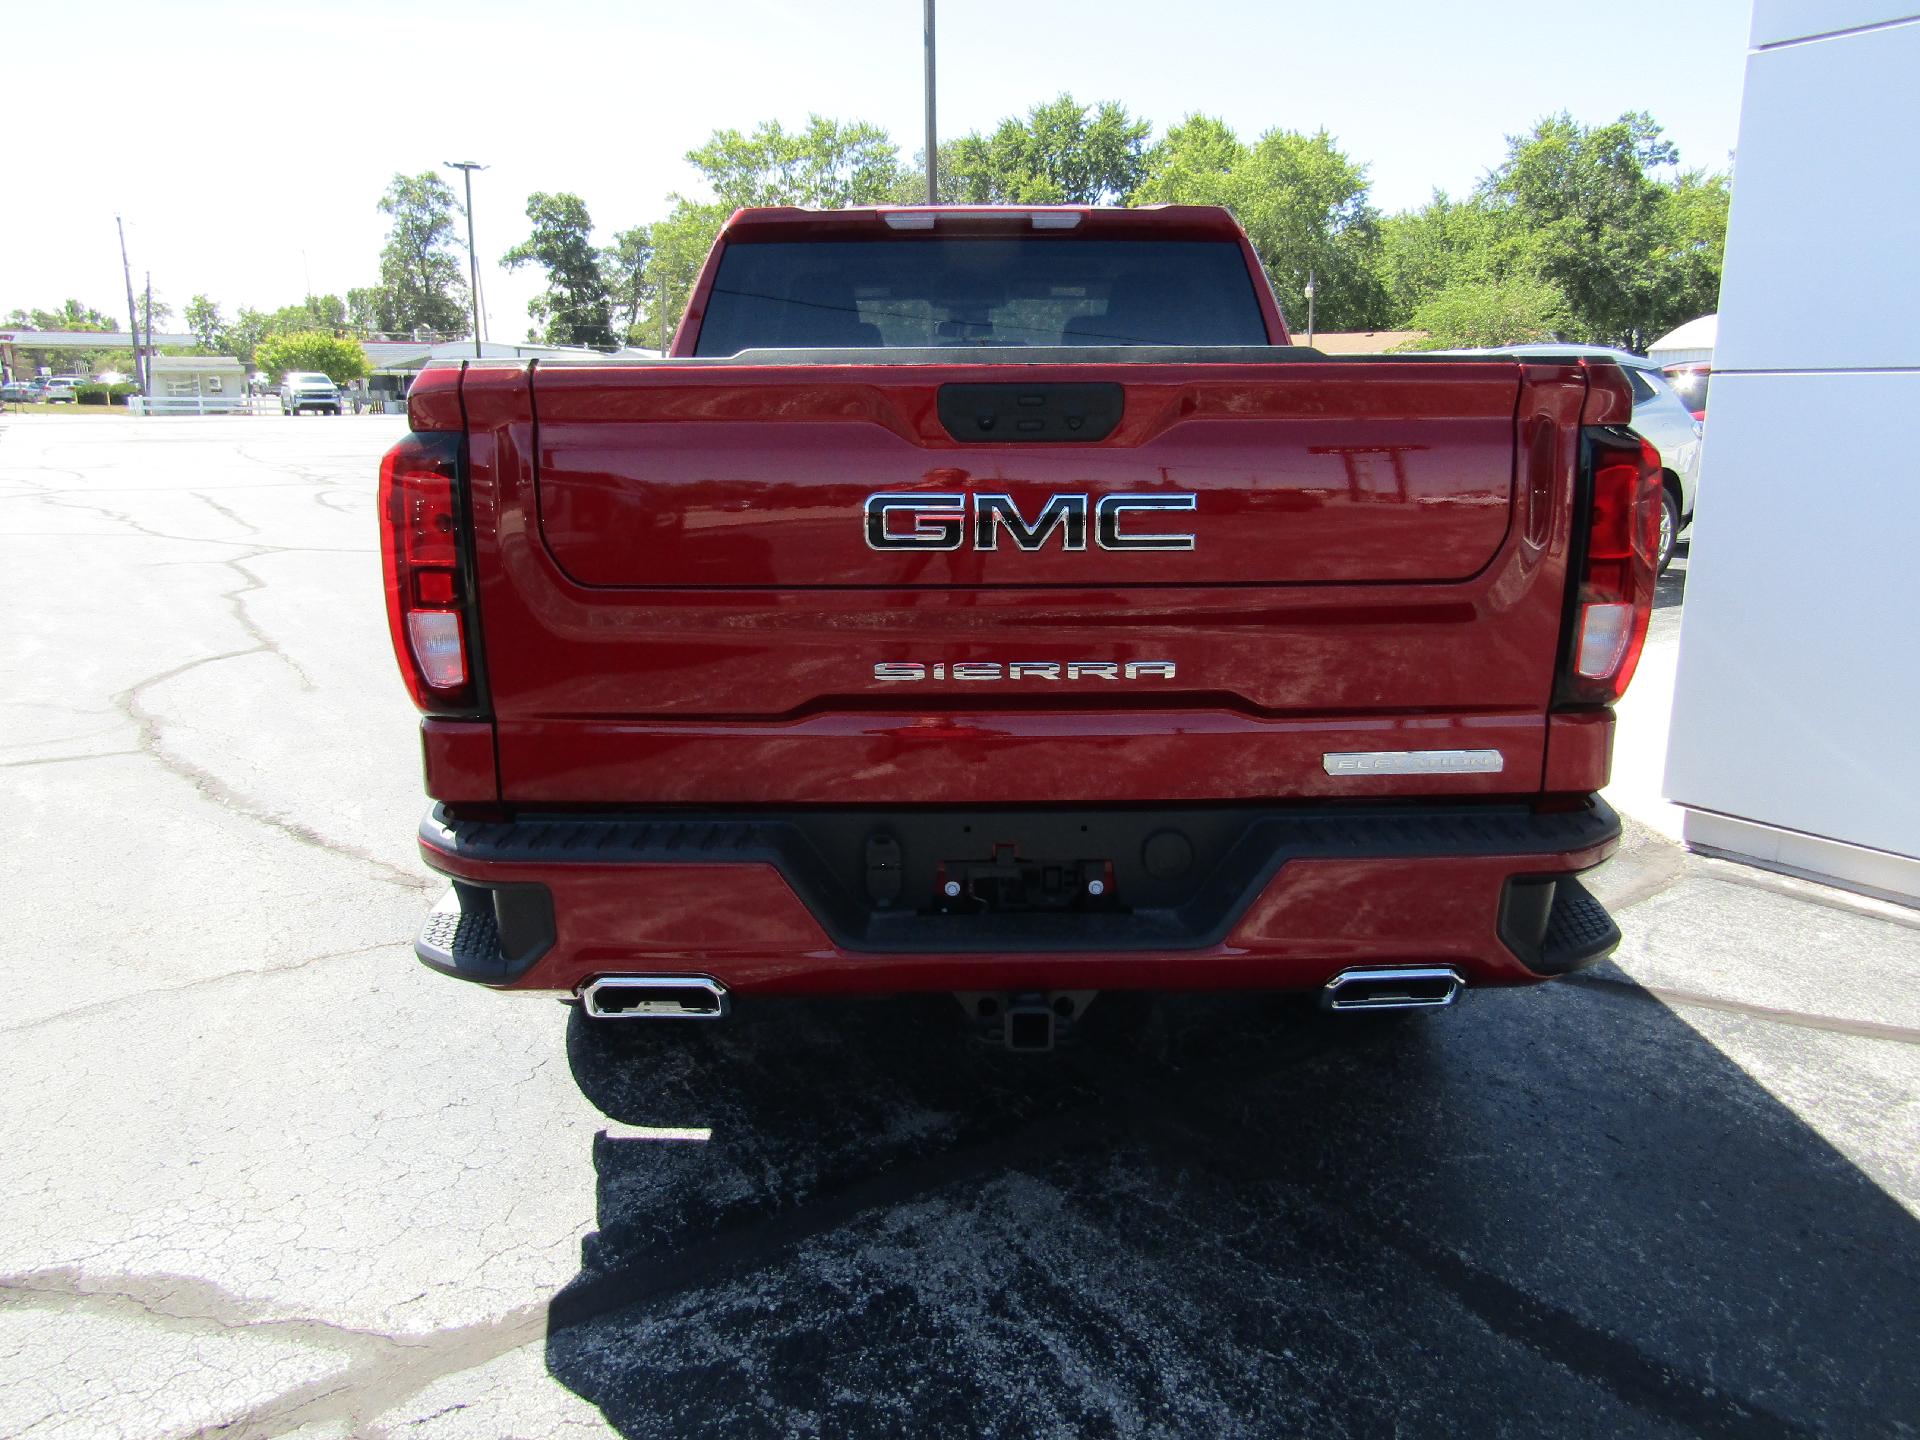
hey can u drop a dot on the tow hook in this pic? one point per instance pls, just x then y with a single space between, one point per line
1025 1019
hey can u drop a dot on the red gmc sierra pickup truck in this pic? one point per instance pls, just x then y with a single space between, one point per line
996 601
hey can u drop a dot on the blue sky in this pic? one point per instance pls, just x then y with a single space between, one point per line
263 134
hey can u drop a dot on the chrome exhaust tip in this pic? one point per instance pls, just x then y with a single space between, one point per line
655 997
1383 987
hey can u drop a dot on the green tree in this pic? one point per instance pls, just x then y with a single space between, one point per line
1193 164
72 315
1697 205
1060 153
575 308
316 312
680 246
827 165
420 267
1471 313
1633 255
204 320
1305 206
154 313
626 264
338 358
244 333
1443 244
370 311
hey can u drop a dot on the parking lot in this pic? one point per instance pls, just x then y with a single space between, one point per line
262 1174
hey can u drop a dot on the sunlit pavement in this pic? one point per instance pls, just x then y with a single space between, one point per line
262 1174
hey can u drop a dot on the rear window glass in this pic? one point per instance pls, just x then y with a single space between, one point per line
845 294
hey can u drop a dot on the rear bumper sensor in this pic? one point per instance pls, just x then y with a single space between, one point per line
1122 880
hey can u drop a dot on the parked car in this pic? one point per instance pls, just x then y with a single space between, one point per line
60 390
1659 414
308 390
20 392
1690 381
1014 611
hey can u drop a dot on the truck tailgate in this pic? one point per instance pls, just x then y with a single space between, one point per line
681 605
738 476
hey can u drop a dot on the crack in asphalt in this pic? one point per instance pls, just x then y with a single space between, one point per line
217 792
64 759
1813 892
120 517
226 511
149 727
1664 995
381 1370
130 997
170 1302
236 603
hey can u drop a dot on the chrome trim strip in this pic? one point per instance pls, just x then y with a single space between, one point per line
1413 762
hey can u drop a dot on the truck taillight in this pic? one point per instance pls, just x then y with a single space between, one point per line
1617 559
422 557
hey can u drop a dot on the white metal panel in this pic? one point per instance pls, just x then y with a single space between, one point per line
1797 699
1826 210
1776 22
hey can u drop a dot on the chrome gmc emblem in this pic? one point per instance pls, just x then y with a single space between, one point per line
913 520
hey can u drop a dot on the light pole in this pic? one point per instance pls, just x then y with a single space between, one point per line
467 167
933 139
133 311
1310 289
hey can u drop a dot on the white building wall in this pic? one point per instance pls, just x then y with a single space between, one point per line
1796 722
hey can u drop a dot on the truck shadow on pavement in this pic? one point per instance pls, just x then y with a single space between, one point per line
1549 1212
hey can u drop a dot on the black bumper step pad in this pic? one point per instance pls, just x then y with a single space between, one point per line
1554 925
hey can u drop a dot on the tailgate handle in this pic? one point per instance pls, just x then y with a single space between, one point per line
1023 414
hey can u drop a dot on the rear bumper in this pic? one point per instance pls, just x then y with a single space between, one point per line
1281 899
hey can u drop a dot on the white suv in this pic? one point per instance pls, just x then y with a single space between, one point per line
308 390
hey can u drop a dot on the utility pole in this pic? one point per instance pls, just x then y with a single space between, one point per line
467 167
933 137
133 314
151 352
1310 288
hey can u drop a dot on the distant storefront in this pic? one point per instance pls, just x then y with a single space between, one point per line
196 384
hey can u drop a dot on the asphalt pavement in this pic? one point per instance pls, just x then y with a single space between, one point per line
261 1174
